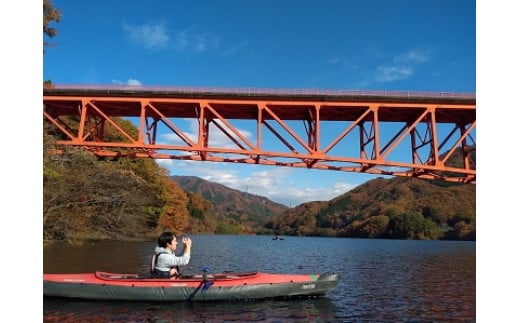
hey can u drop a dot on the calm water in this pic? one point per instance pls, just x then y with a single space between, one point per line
381 280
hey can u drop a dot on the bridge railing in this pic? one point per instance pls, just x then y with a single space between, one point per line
262 91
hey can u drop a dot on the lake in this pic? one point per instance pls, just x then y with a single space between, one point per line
381 280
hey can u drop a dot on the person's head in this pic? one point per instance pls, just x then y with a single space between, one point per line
167 239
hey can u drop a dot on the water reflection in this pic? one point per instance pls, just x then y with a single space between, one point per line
90 256
308 310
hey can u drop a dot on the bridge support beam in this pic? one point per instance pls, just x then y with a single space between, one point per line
360 133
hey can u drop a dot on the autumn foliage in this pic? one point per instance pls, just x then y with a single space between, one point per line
106 198
85 196
399 208
51 15
175 216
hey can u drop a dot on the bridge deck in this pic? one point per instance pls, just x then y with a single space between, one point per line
394 106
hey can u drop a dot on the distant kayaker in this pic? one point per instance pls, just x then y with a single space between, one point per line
164 262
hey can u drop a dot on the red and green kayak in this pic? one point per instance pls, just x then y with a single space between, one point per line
202 287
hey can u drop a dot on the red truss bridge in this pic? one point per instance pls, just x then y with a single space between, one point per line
416 134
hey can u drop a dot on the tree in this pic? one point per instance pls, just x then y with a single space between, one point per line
50 15
412 225
175 215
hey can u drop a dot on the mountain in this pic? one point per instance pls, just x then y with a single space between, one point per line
246 208
401 207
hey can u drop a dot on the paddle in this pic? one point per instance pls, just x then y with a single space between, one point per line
204 285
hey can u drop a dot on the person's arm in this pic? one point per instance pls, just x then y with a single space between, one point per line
187 246
184 257
173 260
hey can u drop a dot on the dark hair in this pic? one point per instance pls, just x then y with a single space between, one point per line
164 238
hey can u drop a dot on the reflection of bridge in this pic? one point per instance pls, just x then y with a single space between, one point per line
426 135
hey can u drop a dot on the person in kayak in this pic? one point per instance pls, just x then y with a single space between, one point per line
164 261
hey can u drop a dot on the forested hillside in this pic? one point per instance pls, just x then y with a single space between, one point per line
85 196
88 197
404 208
249 209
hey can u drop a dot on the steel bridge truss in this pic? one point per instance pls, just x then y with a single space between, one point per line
398 137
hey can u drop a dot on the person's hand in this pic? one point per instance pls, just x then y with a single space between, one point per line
186 241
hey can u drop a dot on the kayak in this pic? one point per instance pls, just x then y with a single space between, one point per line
201 287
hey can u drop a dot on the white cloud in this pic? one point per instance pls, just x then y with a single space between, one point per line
198 42
229 179
219 139
403 66
333 61
393 73
275 183
294 196
173 139
166 163
131 82
149 36
412 56
157 36
216 137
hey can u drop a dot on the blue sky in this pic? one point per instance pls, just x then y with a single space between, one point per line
331 45
388 45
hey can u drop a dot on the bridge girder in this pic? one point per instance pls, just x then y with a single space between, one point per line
429 137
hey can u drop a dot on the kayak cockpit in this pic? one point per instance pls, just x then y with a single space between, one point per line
220 276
